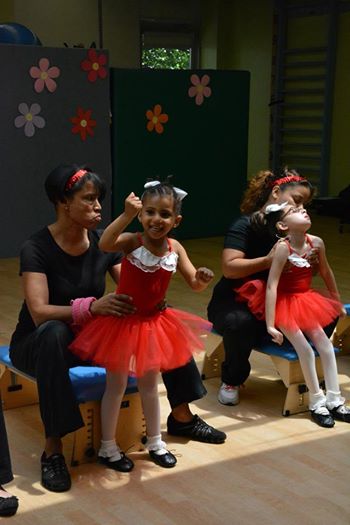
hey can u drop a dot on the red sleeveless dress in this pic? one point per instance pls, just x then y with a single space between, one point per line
150 339
298 306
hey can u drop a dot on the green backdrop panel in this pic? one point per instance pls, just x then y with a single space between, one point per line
203 142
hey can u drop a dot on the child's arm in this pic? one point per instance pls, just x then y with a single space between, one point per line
278 262
197 279
113 239
326 271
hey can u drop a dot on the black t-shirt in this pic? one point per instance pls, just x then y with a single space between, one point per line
68 276
241 236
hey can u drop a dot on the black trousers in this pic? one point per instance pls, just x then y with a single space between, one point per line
44 354
5 461
241 331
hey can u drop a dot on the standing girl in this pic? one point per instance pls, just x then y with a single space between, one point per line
155 338
297 311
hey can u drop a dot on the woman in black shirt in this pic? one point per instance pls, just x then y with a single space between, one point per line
248 254
63 273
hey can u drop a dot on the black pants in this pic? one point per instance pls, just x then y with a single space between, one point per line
5 461
241 331
44 354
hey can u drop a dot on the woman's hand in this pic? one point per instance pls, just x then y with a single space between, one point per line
113 304
313 259
276 335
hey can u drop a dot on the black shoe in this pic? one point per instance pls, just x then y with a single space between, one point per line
54 473
196 429
167 460
124 464
324 420
8 506
341 413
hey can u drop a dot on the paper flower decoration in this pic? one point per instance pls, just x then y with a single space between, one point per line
44 75
29 118
156 119
94 64
83 123
200 88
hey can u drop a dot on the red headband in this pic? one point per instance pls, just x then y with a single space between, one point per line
286 180
74 179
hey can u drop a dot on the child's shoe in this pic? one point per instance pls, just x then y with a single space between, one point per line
111 456
158 453
341 413
322 417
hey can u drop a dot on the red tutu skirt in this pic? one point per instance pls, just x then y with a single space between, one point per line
136 344
298 310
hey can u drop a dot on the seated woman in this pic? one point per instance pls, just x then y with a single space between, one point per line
248 254
63 273
8 503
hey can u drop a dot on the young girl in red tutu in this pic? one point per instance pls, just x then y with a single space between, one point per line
292 308
155 338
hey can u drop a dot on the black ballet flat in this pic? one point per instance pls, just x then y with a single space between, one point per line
8 506
167 460
124 464
324 420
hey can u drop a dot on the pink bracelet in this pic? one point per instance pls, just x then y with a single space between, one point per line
81 310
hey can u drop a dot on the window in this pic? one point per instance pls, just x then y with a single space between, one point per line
168 47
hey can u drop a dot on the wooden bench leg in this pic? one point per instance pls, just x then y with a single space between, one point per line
16 391
297 398
341 336
212 362
131 428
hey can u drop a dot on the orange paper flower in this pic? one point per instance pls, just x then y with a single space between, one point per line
83 123
156 119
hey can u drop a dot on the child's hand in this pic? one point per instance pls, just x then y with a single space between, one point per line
204 275
277 336
133 205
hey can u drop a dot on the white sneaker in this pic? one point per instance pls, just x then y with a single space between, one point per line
228 394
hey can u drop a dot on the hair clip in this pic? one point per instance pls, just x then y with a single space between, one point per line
271 208
180 193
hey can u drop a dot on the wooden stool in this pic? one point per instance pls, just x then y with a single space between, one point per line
19 389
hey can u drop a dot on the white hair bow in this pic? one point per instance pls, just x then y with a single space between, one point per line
181 193
271 208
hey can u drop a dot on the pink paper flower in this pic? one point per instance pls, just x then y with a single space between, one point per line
29 118
200 88
44 75
94 64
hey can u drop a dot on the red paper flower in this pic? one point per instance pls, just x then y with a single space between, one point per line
156 119
83 123
94 65
200 88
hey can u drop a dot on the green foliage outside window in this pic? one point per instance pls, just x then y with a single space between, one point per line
162 58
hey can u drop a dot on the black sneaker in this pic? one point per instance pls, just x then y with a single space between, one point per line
196 429
54 473
8 506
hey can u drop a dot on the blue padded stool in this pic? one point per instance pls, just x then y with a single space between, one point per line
341 336
19 389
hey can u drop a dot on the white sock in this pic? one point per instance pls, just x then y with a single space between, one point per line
317 402
110 450
156 444
334 399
